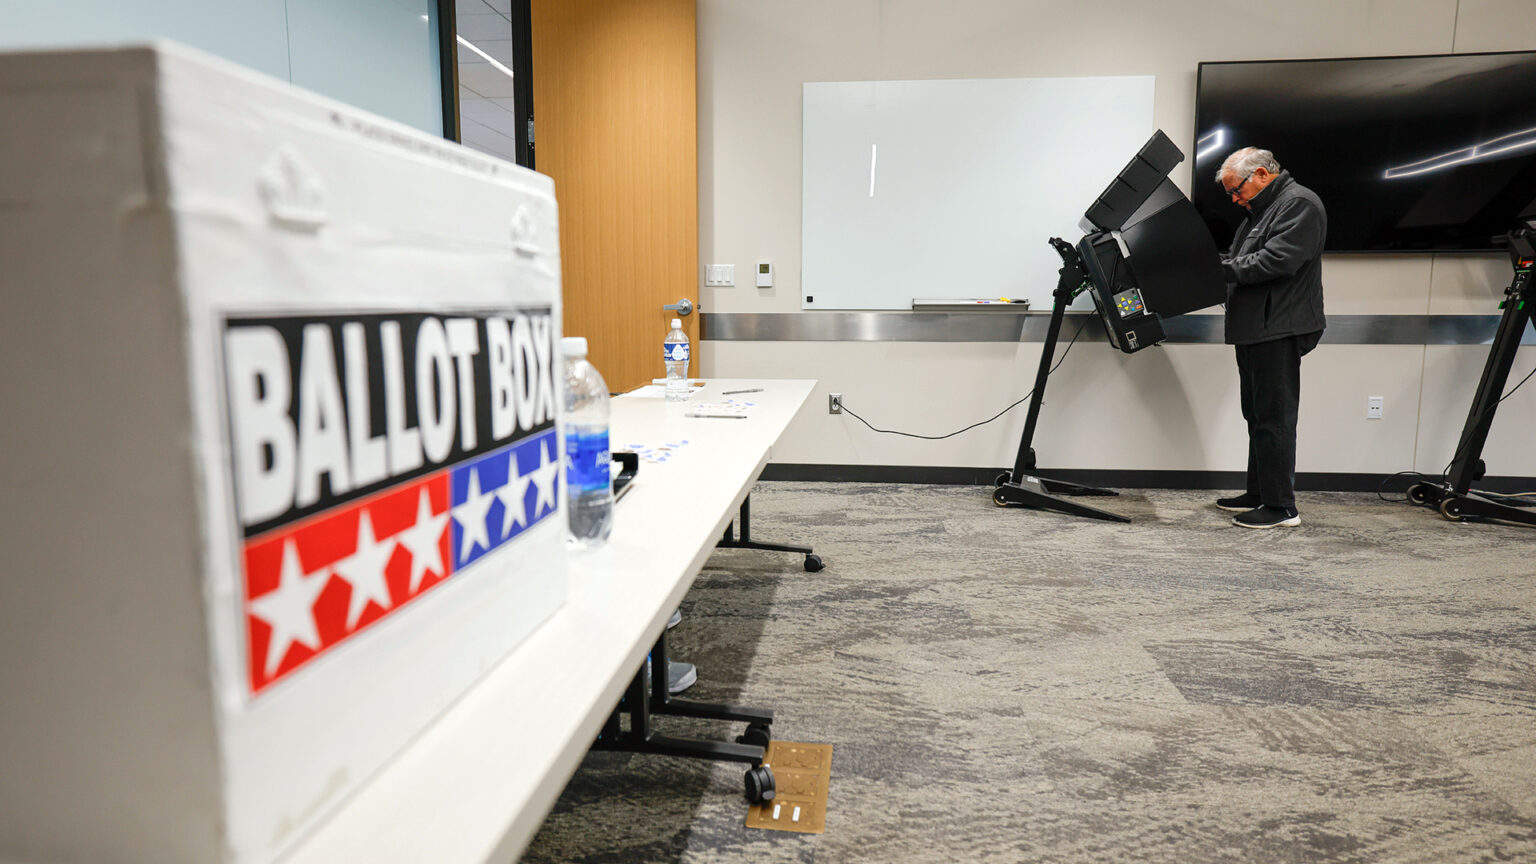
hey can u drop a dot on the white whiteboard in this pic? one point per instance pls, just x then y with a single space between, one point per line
950 189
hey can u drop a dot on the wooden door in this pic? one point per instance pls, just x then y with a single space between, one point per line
615 125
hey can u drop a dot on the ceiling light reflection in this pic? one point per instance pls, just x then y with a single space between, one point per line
1210 143
1479 152
488 58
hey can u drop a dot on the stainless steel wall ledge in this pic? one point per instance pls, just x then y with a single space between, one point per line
1000 326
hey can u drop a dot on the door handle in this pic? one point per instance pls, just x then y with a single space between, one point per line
683 307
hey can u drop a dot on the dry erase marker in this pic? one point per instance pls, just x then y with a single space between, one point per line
748 390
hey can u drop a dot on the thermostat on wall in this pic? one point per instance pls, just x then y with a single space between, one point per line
765 274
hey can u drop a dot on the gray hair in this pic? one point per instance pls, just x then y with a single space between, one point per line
1246 161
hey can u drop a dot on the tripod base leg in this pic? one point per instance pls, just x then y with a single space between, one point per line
1040 494
1062 487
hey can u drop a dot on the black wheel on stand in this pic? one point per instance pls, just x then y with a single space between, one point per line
813 564
757 735
1417 493
759 783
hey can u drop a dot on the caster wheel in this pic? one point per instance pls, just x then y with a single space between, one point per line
759 783
997 497
1450 508
813 563
1002 478
1417 493
756 735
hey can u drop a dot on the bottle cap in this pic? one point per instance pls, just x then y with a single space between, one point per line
574 346
677 323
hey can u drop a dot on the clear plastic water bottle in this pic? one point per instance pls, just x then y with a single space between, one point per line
675 351
588 478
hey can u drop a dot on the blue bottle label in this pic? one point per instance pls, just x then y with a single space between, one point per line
587 462
675 351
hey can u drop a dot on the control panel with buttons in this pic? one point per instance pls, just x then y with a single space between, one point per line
1129 304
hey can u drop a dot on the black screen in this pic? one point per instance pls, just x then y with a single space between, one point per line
1434 153
1172 259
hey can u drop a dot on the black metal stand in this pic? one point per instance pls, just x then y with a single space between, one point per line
812 561
1454 497
1022 487
647 696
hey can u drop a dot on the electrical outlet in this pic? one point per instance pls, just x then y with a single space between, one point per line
834 403
1373 408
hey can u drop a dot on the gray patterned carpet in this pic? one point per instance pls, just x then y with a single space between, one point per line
1012 686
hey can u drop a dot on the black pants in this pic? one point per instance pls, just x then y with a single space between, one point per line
1270 377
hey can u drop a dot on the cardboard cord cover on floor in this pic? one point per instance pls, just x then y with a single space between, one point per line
801 775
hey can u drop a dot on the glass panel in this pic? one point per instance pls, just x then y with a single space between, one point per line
487 119
253 33
380 55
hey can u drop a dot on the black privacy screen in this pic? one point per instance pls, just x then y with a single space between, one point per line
1430 153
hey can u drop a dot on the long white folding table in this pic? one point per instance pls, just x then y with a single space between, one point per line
475 786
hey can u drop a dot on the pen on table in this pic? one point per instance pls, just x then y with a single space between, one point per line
748 390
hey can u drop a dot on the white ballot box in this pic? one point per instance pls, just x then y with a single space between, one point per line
279 449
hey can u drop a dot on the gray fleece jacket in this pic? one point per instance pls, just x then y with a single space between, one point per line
1274 269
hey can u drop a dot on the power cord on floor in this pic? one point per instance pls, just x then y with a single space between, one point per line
1390 477
1063 359
1527 499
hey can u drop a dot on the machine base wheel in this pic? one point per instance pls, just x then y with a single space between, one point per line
1418 494
1451 509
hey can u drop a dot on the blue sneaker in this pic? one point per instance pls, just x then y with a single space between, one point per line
680 676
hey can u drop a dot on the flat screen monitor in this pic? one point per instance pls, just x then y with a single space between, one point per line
1426 153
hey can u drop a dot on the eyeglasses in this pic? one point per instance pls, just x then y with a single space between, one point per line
1236 190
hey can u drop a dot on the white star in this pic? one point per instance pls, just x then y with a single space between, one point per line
421 539
364 569
544 480
471 514
512 495
289 608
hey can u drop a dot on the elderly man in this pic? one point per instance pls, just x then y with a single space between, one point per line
1274 317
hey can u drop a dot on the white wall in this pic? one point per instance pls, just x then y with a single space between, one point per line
1179 400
